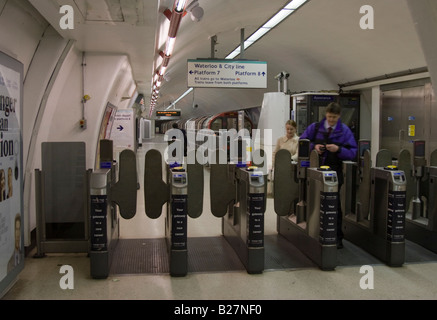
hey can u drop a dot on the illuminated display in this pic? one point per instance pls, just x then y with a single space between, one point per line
168 113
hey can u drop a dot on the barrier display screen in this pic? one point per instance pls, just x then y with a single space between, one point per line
419 148
363 146
304 149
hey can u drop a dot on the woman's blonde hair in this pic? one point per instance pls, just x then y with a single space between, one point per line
291 123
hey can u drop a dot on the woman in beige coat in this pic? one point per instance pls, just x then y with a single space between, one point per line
289 142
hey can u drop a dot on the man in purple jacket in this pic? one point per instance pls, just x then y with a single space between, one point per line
334 142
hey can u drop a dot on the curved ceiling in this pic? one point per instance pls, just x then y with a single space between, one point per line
321 44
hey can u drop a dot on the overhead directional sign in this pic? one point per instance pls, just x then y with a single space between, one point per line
227 74
174 114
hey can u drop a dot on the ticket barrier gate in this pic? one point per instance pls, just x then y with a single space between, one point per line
176 221
374 203
355 196
306 202
183 194
106 191
421 216
238 196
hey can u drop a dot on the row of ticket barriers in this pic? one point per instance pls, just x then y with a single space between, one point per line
382 205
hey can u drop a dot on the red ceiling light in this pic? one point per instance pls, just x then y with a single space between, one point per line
175 17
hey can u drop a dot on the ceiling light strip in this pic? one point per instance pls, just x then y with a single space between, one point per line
280 16
175 21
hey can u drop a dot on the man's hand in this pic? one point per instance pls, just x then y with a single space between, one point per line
332 147
320 148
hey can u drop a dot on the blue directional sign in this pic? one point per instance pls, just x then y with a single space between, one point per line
227 74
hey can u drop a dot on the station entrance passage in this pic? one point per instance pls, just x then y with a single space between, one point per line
214 254
206 254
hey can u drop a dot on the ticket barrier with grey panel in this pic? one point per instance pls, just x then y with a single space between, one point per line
238 196
183 195
176 221
106 194
421 216
355 197
306 202
374 203
355 193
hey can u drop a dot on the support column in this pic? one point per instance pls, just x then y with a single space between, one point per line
376 119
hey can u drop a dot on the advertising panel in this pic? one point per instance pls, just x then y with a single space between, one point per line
11 186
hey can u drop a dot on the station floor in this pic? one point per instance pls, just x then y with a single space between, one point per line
40 279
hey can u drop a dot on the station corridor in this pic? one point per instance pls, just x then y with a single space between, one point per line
288 278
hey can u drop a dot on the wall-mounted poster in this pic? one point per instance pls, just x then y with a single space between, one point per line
123 130
11 171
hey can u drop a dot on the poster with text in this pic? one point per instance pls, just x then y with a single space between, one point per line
11 195
123 129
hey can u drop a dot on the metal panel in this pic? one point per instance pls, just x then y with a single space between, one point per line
390 121
414 117
65 189
431 115
406 115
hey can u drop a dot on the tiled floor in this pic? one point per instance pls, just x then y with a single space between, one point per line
40 279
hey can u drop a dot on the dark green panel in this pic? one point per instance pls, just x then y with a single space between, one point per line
106 150
222 188
383 158
156 191
433 159
195 189
124 193
285 190
314 159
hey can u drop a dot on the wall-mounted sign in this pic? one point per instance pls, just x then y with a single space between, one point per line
411 130
123 129
227 74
